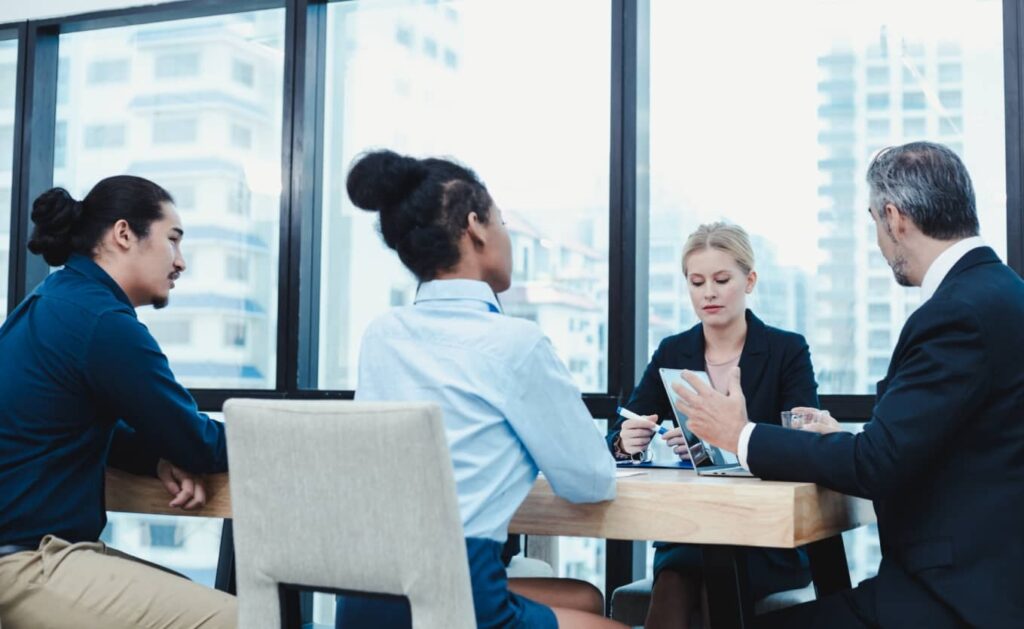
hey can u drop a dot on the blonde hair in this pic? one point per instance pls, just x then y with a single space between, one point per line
731 239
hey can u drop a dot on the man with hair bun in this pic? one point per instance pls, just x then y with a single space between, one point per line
83 385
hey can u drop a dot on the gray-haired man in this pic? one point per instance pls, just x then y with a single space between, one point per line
942 457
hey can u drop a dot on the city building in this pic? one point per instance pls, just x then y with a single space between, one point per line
194 106
891 91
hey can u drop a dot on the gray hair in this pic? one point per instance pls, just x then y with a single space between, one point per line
928 183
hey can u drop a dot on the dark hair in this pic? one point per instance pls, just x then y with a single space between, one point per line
928 183
64 226
424 206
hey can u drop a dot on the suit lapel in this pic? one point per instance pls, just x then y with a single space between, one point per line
755 354
691 350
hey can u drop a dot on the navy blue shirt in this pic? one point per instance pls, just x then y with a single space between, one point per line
82 381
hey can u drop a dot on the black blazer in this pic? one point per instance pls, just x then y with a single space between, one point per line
942 457
775 372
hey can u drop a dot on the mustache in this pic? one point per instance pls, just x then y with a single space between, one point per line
174 276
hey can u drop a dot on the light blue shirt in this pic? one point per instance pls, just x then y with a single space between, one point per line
509 404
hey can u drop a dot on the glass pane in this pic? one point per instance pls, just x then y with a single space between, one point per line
440 78
773 129
187 544
8 81
868 75
171 102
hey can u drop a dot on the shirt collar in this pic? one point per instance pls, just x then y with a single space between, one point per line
90 269
458 290
946 260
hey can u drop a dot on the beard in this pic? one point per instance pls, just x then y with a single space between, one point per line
899 271
160 302
898 264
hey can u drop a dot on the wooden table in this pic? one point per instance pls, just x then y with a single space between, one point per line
722 514
679 506
142 494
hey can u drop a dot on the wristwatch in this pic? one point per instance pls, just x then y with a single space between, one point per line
643 456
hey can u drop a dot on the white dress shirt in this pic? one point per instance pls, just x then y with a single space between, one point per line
509 404
937 271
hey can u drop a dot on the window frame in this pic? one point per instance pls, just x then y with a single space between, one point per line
16 32
302 153
305 51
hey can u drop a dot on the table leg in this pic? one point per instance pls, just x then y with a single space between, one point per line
291 606
828 566
730 604
625 562
225 580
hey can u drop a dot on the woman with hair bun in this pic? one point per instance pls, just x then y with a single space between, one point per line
510 407
84 385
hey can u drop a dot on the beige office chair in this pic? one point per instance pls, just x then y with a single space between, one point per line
345 496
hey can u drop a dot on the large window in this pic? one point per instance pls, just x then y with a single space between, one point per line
8 78
742 118
496 88
783 153
158 101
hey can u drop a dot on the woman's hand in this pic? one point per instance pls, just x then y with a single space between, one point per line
636 434
677 442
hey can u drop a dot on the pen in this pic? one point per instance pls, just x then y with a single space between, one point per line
628 414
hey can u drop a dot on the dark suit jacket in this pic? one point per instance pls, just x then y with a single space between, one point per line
776 375
775 371
942 457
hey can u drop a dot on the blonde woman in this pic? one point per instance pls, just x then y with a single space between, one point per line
776 374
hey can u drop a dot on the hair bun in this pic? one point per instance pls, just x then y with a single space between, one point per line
379 180
54 213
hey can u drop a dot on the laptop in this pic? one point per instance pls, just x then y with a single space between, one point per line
707 459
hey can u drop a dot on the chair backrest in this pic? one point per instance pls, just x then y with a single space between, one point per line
349 496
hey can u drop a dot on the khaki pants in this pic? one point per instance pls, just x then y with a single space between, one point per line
89 586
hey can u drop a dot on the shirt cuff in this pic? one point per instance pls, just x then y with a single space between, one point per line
744 442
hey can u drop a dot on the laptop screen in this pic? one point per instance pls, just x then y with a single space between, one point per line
700 452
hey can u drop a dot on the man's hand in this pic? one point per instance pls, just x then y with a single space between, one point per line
821 422
715 418
636 434
188 490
